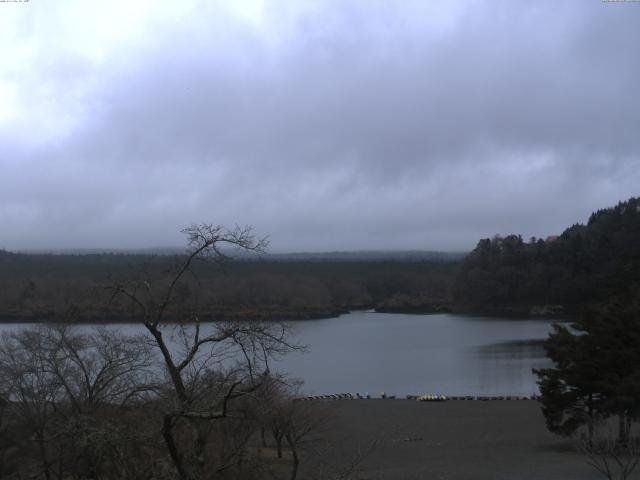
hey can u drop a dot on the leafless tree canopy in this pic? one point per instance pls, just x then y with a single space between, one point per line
62 389
187 400
611 458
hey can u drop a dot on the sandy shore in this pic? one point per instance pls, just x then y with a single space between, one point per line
455 440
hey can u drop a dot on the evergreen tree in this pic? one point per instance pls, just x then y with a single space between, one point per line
597 370
587 263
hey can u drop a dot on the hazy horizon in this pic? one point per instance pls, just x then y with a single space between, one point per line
170 250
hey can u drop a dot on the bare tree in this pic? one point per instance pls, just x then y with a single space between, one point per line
290 421
5 443
615 460
103 367
304 423
298 431
32 393
59 385
208 366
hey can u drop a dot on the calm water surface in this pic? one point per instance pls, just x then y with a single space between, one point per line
402 354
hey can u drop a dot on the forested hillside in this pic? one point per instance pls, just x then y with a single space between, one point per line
586 263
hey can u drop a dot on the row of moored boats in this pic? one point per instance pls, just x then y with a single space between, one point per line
419 398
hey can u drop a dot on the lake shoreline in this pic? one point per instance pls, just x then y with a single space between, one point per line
441 353
511 312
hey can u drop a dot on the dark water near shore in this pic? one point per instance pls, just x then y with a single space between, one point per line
402 354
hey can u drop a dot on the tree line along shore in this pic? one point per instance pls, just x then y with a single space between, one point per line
503 275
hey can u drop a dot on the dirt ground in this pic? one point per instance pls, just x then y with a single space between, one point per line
452 440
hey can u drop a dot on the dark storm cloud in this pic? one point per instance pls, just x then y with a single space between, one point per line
353 125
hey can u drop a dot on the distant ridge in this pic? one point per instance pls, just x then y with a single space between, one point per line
368 255
336 256
104 251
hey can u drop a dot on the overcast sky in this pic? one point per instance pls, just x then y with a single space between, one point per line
328 125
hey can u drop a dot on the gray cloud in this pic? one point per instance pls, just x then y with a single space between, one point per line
348 125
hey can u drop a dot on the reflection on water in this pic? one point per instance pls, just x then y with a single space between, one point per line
410 354
402 354
520 349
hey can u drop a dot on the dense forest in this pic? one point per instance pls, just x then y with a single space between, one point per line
65 287
585 264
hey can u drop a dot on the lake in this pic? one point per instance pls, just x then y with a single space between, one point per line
412 354
404 354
